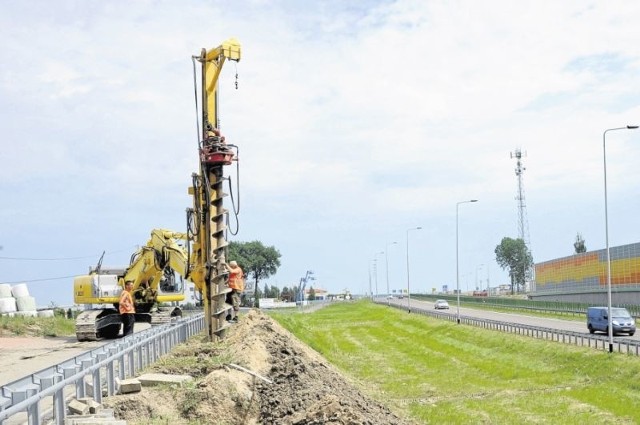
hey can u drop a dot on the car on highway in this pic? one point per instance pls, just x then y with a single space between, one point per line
598 320
441 304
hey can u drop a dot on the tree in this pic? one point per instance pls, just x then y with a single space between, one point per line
256 260
579 244
312 294
514 255
271 291
286 294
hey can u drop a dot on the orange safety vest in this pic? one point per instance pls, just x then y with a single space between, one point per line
126 303
236 279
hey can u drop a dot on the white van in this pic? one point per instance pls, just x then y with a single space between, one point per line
598 320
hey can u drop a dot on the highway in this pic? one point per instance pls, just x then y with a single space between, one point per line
579 326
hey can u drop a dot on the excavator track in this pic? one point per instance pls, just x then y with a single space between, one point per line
165 315
94 325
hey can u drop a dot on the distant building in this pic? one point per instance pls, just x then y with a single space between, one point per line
320 294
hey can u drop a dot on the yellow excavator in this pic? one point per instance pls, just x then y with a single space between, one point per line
198 255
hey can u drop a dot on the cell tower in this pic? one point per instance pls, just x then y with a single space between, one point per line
523 223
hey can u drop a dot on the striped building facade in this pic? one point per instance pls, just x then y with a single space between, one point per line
583 277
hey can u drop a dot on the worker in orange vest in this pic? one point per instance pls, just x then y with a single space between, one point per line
236 283
127 309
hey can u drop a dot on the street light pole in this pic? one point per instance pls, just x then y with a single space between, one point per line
386 258
606 231
375 269
408 288
478 287
457 258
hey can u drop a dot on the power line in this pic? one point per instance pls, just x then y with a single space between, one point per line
46 259
40 280
61 258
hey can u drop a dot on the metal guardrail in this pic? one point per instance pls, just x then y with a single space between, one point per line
562 307
115 360
621 345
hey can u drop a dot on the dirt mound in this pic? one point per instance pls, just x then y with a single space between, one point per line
283 382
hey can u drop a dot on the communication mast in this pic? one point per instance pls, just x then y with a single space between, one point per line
523 223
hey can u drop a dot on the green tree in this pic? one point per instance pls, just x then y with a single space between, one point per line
579 244
256 260
514 255
287 294
312 294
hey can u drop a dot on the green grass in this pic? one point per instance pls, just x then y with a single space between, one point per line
37 326
442 373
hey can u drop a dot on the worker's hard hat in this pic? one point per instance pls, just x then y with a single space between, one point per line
233 263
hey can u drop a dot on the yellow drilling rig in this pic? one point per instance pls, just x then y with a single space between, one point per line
198 255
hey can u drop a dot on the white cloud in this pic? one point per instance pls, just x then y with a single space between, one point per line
354 121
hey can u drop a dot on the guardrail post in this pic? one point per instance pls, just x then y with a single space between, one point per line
33 411
97 380
111 372
121 367
131 367
81 390
139 357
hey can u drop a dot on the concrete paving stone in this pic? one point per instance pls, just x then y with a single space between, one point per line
94 406
94 421
150 379
127 386
77 407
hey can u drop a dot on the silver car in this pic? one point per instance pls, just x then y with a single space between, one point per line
441 304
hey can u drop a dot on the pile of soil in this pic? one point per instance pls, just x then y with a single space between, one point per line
280 381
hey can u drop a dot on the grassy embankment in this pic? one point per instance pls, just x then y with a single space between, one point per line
439 372
36 326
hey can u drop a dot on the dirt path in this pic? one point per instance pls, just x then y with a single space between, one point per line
22 356
291 384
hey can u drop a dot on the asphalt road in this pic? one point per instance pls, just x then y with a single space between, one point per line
579 326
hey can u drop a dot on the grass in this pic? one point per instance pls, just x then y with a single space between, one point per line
439 372
37 326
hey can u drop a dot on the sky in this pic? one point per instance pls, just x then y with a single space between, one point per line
355 121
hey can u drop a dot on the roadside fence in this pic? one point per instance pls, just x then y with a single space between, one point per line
42 394
600 342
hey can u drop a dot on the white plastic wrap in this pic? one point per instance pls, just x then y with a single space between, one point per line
26 303
28 313
7 305
45 313
5 290
20 290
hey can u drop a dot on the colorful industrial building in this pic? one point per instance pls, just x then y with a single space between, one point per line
583 277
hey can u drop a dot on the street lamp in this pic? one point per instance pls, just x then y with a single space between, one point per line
457 256
375 269
478 287
386 258
606 230
408 288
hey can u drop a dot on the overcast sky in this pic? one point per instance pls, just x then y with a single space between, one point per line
356 121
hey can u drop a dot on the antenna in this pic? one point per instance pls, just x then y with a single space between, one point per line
523 223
